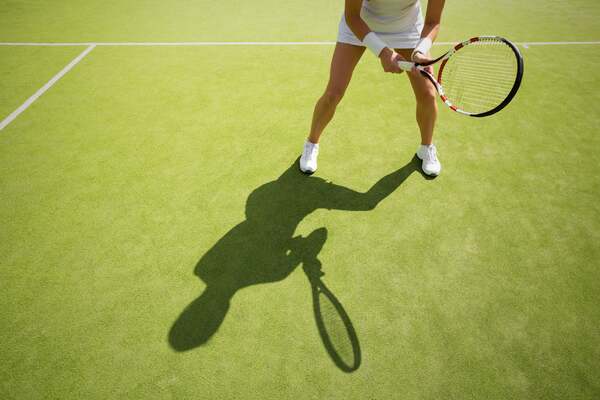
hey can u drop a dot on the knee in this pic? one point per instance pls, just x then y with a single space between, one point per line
333 95
426 95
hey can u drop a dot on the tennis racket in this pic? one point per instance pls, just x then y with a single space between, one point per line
478 77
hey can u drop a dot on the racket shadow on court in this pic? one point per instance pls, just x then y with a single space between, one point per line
333 322
263 249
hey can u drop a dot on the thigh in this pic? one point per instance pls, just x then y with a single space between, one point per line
345 58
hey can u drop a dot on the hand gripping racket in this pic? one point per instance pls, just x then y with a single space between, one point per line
478 77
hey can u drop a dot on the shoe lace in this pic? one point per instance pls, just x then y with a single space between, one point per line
311 151
432 153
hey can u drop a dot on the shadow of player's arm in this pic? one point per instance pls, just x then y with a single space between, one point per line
342 198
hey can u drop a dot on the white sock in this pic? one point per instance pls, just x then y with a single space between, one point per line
312 144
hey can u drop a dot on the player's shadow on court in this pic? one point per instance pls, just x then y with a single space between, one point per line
262 249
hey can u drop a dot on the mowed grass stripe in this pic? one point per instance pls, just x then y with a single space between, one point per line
311 20
265 43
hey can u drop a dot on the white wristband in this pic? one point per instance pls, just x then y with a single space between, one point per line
423 47
374 43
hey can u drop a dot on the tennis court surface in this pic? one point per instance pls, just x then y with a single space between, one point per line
157 240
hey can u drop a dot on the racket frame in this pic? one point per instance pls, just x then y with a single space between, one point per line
422 68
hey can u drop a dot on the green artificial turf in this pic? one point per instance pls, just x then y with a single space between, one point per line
157 240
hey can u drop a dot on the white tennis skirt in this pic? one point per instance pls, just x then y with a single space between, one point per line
407 39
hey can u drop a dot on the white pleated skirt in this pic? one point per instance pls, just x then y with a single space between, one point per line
406 39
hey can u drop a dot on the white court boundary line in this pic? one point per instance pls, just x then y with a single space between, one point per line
524 44
92 45
44 88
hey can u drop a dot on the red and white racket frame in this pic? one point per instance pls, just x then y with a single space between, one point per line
408 66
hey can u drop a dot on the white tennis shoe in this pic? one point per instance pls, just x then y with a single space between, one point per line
431 165
308 160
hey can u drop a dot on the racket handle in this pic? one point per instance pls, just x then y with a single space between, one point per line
406 65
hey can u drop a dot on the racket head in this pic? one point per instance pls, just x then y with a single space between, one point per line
481 76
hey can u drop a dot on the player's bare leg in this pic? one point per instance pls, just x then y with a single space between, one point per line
344 60
427 111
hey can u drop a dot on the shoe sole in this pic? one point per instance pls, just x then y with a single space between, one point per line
429 175
305 172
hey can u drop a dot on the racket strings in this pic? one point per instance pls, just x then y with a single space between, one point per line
479 76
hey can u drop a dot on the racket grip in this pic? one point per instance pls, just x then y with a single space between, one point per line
406 65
